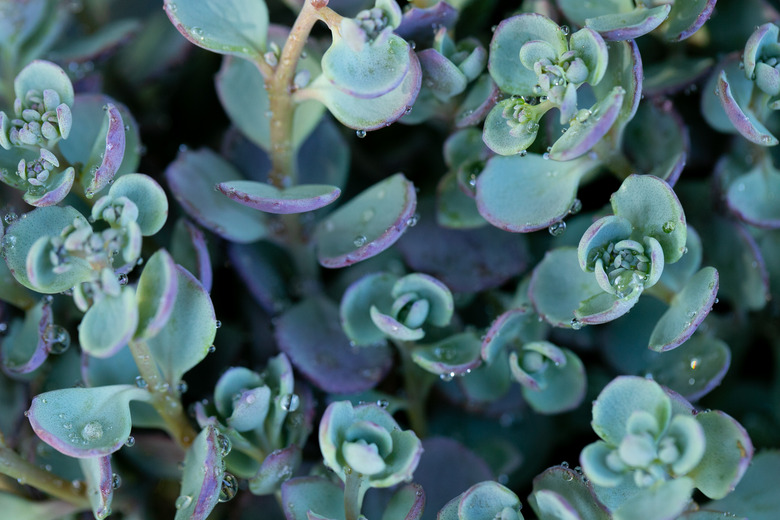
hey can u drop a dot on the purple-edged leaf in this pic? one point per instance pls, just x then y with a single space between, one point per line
627 26
85 422
657 140
156 293
20 238
510 35
504 134
417 22
109 324
458 354
666 499
524 194
309 333
514 327
316 494
624 70
464 260
12 291
112 154
368 224
55 189
148 196
376 69
727 455
605 307
755 496
264 197
408 503
440 75
741 89
694 369
372 290
455 209
41 75
487 500
241 90
674 74
558 285
584 133
25 348
235 380
564 387
688 310
686 18
753 197
741 116
185 338
276 469
606 230
237 27
99 479
202 478
189 249
578 11
571 488
478 102
192 177
393 328
20 508
676 275
267 270
761 44
373 113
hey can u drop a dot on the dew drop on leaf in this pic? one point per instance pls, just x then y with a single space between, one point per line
92 431
557 229
130 442
359 241
224 444
140 382
183 501
289 402
116 481
360 134
668 227
229 488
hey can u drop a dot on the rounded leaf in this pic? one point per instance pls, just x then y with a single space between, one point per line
43 75
630 25
202 477
621 398
456 355
371 290
156 293
742 117
109 324
148 196
753 197
268 198
564 388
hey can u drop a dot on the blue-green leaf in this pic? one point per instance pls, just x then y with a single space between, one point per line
109 324
204 472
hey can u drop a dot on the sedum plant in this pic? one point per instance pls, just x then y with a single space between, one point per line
332 259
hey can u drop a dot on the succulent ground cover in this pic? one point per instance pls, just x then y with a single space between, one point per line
388 260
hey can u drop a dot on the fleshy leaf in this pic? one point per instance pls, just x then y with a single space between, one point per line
688 310
368 114
267 270
458 354
621 398
743 119
276 469
191 178
156 293
321 350
371 290
511 327
441 75
85 422
568 486
686 18
665 499
727 455
753 197
202 478
368 224
624 70
626 26
479 100
755 497
407 503
109 324
99 479
657 140
565 386
189 249
486 500
264 197
510 139
41 75
316 494
24 233
237 27
185 338
25 347
148 196
455 209
112 155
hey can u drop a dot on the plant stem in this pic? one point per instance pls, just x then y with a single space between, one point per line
354 489
279 87
164 397
417 383
13 465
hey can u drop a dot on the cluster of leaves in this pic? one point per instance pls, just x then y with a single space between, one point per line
440 347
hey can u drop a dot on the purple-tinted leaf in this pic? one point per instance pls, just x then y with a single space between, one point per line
741 116
464 260
408 503
418 23
56 189
85 422
627 26
673 74
148 196
688 310
657 140
316 494
310 334
202 478
455 209
277 468
512 328
605 307
441 75
458 354
113 152
368 224
572 488
100 339
582 135
26 346
564 386
266 269
624 70
100 489
156 293
752 197
192 177
755 496
264 197
478 102
524 194
188 248
693 369
686 18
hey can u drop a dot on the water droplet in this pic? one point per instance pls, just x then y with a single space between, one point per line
182 387
10 217
668 227
576 207
116 481
565 29
523 153
140 382
359 241
447 377
122 279
229 488
197 31
223 444
557 229
692 381
565 464
92 431
383 403
546 156
360 134
212 349
568 477
57 339
575 324
289 402
130 442
412 221
217 324
183 501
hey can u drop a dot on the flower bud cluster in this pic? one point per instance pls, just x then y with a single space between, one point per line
40 118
